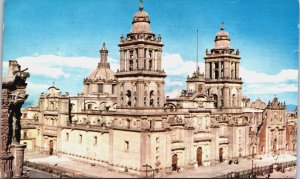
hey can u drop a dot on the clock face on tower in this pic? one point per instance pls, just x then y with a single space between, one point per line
200 87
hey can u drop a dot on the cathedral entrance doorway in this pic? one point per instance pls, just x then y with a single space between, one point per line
221 155
51 147
199 156
174 162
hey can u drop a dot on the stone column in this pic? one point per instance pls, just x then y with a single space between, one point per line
213 70
122 60
18 152
220 70
232 142
226 69
189 154
226 96
147 59
110 149
162 94
135 59
141 57
234 72
207 70
140 93
152 59
168 161
127 60
214 146
237 67
159 60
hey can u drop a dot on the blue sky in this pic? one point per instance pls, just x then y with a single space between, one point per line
42 33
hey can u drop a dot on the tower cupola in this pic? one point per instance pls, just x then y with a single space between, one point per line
222 40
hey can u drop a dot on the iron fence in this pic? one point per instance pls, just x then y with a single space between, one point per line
259 171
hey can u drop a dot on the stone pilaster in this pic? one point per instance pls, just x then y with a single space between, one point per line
207 70
122 60
18 152
237 67
159 59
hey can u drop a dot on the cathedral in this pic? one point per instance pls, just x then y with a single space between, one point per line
123 121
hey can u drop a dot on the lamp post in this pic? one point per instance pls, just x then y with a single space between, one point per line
252 164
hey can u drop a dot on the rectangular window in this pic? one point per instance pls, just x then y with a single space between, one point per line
90 106
25 134
80 138
95 140
113 90
100 88
67 136
126 145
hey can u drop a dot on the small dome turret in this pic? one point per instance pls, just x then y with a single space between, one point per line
222 40
141 21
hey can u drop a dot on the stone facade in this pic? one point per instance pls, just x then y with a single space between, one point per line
123 121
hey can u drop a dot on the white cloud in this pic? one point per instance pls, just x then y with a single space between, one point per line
60 67
263 88
174 93
175 83
37 86
175 65
54 66
258 77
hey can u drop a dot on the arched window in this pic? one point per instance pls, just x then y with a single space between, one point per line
158 102
215 100
145 101
150 64
151 98
128 97
130 65
233 100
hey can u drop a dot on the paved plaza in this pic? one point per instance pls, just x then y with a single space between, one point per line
86 169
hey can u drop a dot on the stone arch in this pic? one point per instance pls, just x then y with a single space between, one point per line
151 97
128 98
130 65
221 159
199 156
50 147
174 162
215 97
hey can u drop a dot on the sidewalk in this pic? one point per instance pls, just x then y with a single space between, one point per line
207 172
75 166
224 168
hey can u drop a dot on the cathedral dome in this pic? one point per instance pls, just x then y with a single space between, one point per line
103 71
102 74
141 21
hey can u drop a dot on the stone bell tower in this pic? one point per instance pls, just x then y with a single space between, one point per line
140 77
222 74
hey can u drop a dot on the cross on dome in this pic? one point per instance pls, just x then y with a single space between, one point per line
141 7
